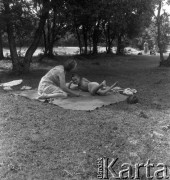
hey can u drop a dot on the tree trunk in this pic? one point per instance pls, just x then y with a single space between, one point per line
37 37
85 39
45 43
120 46
48 35
50 49
12 47
79 40
109 43
160 45
1 46
95 41
16 63
90 44
51 33
76 26
51 45
119 41
106 35
109 48
96 37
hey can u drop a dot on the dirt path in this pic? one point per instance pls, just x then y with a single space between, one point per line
45 142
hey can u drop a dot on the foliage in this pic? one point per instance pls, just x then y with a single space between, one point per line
104 21
161 21
92 22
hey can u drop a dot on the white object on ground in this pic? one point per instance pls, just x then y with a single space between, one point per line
129 91
26 88
11 83
117 88
7 88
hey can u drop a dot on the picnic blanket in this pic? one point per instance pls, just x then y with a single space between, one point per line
86 102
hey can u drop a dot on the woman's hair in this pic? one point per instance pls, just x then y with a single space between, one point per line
70 65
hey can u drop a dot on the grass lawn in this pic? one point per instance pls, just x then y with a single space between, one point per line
39 141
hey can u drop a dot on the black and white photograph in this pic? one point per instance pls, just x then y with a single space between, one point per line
84 89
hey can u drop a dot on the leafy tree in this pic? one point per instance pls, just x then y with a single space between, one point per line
112 19
18 19
56 26
1 30
1 46
9 19
24 22
91 21
160 28
130 19
159 23
163 29
80 17
43 15
108 20
86 22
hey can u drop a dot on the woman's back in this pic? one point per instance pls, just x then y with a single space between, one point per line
54 74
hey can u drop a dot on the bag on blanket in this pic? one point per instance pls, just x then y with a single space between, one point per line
132 99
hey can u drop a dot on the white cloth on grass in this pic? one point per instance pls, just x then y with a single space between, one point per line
11 83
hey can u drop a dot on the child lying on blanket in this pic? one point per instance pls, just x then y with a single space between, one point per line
92 87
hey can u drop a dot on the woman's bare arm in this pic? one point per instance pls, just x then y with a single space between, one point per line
75 87
64 87
70 83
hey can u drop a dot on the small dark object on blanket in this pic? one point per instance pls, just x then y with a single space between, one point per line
132 99
46 100
143 115
140 53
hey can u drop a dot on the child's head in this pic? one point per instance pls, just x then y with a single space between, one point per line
75 78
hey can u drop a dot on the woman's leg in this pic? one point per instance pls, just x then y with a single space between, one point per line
51 91
55 95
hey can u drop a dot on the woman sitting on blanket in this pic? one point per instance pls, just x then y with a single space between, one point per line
93 87
53 84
